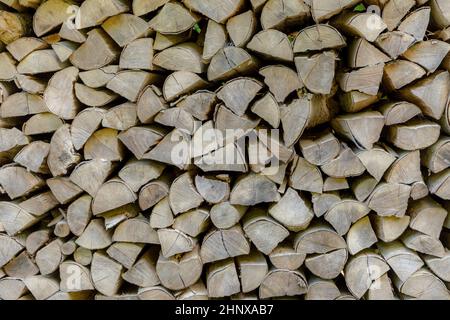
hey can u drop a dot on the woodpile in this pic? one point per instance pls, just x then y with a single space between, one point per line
252 149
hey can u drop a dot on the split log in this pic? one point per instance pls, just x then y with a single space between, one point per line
165 23
414 134
143 273
230 61
106 274
281 81
438 184
137 54
424 285
389 229
344 213
125 28
360 236
280 282
241 28
399 112
215 39
436 156
272 44
215 10
129 83
423 243
222 279
93 13
280 14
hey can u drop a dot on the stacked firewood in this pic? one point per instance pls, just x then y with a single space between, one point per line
252 149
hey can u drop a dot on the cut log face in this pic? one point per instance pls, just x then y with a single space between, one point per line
241 149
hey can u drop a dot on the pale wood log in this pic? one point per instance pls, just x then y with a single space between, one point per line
381 289
121 117
434 50
64 50
222 279
104 144
143 273
419 190
154 293
92 13
136 230
166 23
93 97
183 194
177 273
241 28
14 219
36 240
12 142
125 253
439 266
8 64
360 236
293 211
141 7
322 202
224 215
18 182
63 189
439 184
436 156
212 190
62 156
285 257
23 46
224 243
82 256
362 270
12 289
95 236
215 39
50 15
238 93
177 118
267 108
272 44
389 199
430 94
367 25
376 161
137 173
82 282
161 216
84 125
282 282
193 222
355 101
319 289
63 105
253 189
9 249
151 193
346 164
40 204
79 214
41 287
112 194
400 73
149 103
324 9
395 43
281 80
137 54
344 213
229 62
22 104
414 135
180 83
175 242
252 270
281 14
13 26
164 41
42 123
21 266
125 27
366 80
403 261
90 175
424 285
30 84
129 83
318 37
416 23
399 112
116 216
389 229
258 226
394 11
423 243
61 229
106 274
68 248
71 34
139 139
215 10
364 129
97 78
50 257
321 148
362 54
406 169
183 57
317 71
